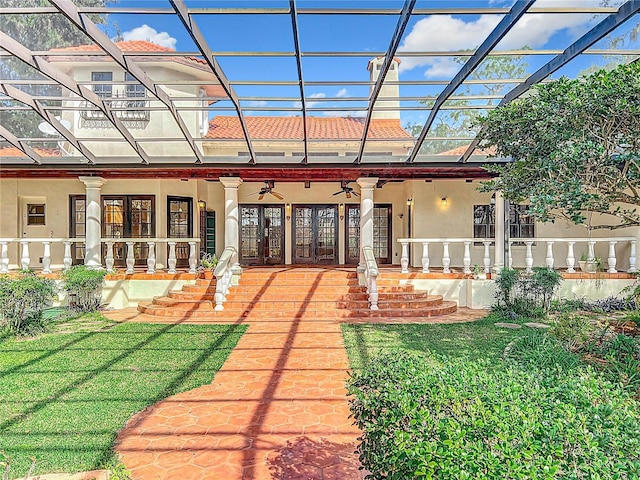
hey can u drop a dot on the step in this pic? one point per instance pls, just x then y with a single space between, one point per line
395 304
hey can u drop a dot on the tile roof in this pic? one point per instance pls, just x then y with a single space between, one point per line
16 152
141 46
338 128
463 148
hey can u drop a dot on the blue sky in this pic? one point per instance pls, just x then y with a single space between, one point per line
363 34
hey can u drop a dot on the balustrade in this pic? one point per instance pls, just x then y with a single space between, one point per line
551 245
27 247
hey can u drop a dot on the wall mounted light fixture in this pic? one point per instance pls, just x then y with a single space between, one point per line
444 201
202 204
287 208
341 207
409 202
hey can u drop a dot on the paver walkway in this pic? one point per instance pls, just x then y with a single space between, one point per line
275 410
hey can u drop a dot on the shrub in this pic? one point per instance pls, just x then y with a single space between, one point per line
84 287
573 329
541 350
526 294
424 418
611 304
23 297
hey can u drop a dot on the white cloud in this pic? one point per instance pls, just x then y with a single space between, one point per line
309 104
341 113
446 33
150 34
257 103
343 92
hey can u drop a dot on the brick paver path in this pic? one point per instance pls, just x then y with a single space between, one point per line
275 410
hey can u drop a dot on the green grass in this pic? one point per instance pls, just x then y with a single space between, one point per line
474 340
64 396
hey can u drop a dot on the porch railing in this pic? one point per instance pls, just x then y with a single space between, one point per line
224 274
553 247
25 252
371 276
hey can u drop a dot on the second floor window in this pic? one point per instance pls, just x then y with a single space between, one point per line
102 90
521 222
133 91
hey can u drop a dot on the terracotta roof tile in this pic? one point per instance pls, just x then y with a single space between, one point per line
339 128
16 152
460 150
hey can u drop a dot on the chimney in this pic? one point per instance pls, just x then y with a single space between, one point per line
387 91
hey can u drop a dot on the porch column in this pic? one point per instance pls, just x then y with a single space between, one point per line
93 225
367 184
498 251
231 216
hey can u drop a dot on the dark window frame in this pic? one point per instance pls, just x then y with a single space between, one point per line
103 90
521 223
33 219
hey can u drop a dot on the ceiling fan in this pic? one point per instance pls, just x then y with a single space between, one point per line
268 188
346 189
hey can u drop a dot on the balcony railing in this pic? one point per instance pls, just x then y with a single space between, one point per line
126 108
564 248
28 245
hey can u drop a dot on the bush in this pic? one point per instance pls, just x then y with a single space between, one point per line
23 297
456 419
84 287
573 329
541 350
611 304
527 295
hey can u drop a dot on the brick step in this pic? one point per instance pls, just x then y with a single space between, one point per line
295 304
299 274
234 314
394 304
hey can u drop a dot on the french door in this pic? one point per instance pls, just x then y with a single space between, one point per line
261 234
315 234
128 216
180 225
381 233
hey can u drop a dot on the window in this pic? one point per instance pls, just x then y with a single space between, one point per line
521 223
35 214
102 90
135 90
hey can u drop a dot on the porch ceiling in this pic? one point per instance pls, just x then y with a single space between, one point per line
283 88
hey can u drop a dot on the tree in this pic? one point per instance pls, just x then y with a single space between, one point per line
575 148
460 123
38 32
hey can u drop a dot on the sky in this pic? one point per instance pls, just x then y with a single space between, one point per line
371 33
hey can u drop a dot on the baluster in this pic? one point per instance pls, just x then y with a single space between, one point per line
632 257
373 292
404 259
171 262
67 260
425 257
193 257
611 261
151 258
25 260
528 258
466 259
131 258
4 257
109 261
549 260
591 256
571 259
487 256
446 259
46 257
510 255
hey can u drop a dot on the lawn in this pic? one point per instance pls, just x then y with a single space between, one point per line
476 340
64 396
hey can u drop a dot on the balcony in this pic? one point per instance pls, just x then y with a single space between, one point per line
133 111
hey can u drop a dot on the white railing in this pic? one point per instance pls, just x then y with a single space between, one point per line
223 273
24 261
371 276
569 263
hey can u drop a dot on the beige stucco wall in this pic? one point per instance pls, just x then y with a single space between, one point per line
429 217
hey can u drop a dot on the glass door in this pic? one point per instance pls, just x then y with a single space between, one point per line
381 233
261 234
128 216
180 225
315 234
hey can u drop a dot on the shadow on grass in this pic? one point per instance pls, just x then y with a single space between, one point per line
63 398
472 341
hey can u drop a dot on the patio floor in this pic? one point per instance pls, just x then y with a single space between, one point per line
277 409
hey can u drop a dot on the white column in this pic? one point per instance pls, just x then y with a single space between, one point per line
367 184
466 259
67 260
93 225
231 215
46 257
498 251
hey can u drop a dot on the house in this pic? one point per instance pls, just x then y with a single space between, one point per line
153 167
